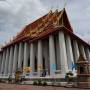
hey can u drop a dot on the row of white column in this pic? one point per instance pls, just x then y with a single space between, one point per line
12 57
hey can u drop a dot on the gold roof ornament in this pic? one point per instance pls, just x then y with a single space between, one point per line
50 12
81 60
60 15
49 15
56 12
54 17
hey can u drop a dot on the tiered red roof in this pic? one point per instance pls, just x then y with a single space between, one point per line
49 23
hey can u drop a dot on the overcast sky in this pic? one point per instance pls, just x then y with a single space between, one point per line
15 14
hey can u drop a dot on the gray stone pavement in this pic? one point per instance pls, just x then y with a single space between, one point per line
4 86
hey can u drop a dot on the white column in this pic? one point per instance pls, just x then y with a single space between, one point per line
10 61
0 61
32 57
26 54
52 55
76 50
15 59
3 62
7 61
87 53
70 58
82 51
63 55
20 56
39 63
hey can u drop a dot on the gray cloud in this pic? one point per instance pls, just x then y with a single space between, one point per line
15 14
79 15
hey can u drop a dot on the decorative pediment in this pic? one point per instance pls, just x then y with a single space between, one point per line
82 66
81 60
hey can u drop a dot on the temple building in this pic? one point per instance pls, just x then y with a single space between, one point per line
48 43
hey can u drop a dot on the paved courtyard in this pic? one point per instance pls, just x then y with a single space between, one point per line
31 87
